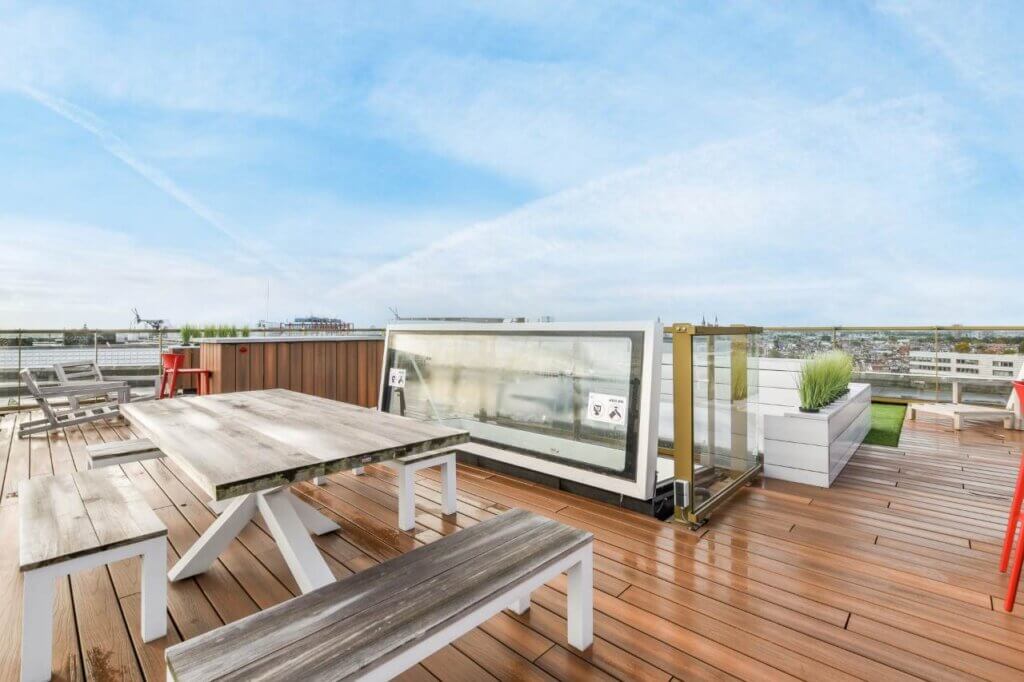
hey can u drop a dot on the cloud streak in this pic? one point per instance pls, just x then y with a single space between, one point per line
121 151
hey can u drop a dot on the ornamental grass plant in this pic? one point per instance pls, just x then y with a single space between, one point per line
824 378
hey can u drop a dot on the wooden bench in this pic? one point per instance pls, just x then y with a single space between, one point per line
377 623
121 452
958 412
74 522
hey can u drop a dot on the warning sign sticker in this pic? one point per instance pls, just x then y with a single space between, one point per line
609 409
396 378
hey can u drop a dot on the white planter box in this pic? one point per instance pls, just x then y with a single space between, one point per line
814 448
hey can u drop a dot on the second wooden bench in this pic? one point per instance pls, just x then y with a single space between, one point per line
382 621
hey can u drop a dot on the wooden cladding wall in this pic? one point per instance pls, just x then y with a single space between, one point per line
348 371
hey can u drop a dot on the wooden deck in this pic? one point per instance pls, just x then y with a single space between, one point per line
891 574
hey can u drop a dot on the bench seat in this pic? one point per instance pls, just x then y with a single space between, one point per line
383 620
75 522
121 452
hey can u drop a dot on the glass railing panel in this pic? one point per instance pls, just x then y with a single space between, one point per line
725 414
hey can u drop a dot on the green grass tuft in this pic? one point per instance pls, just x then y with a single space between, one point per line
823 378
886 424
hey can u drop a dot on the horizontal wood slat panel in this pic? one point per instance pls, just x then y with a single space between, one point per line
348 371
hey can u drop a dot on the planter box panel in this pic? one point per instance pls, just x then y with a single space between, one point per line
814 448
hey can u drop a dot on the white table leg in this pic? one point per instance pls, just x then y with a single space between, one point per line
154 589
301 555
520 606
37 626
448 495
580 602
216 539
406 498
315 522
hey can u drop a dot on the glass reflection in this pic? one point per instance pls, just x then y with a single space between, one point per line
563 396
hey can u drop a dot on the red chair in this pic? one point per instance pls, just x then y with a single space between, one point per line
172 363
1016 520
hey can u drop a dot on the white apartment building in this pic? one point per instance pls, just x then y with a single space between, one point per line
967 365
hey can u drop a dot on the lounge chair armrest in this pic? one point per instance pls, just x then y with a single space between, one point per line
77 389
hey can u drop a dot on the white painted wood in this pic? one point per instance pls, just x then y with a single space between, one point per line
154 589
359 471
201 555
520 605
40 583
301 555
37 626
580 601
406 468
813 448
314 521
449 497
406 498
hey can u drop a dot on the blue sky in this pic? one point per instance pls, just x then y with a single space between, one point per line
766 163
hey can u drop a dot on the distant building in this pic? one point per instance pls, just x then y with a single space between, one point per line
967 365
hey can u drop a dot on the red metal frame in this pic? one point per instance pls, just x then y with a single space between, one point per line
172 369
1015 521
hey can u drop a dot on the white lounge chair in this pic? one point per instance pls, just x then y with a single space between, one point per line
56 415
87 371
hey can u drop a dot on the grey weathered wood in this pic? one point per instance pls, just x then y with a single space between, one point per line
72 515
238 443
120 448
121 452
56 416
347 627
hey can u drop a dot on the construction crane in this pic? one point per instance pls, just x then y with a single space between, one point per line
155 325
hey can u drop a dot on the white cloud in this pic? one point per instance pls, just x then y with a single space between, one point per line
58 274
983 42
809 222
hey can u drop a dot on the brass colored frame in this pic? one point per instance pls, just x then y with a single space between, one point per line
682 415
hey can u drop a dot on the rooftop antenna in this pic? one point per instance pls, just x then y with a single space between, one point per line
394 311
155 325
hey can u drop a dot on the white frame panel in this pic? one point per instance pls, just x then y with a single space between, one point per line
642 487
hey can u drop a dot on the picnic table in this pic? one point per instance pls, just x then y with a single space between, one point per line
249 447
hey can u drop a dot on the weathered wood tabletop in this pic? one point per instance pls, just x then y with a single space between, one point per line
237 443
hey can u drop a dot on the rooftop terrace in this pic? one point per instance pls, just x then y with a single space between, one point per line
890 574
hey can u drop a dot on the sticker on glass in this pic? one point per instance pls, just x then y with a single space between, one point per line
609 409
396 378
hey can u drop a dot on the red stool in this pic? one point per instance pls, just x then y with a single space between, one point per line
172 363
1016 520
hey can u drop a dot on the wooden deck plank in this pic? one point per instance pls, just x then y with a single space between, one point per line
891 572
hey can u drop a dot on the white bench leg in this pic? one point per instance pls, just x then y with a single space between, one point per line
448 494
520 606
406 498
581 601
37 626
154 589
359 471
301 555
319 480
201 555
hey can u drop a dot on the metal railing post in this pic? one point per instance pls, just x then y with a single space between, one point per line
19 368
